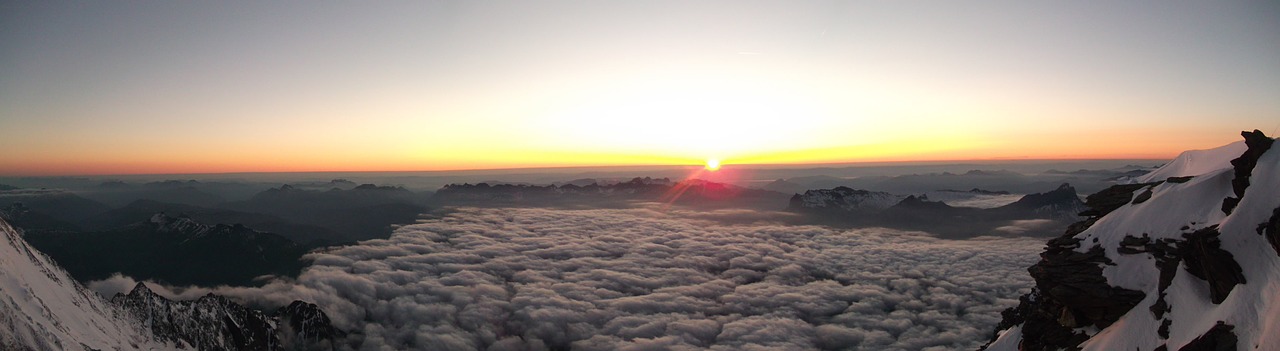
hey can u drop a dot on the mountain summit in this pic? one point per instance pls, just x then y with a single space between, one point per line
1188 258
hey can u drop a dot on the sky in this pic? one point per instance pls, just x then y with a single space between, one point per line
205 87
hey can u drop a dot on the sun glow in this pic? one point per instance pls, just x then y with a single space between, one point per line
673 114
713 165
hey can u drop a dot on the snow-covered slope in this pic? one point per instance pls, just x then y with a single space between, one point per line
1187 260
1196 162
43 308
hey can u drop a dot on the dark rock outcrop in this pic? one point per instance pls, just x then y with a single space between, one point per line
215 323
1070 290
1142 197
1271 230
1205 259
1075 280
1257 144
307 324
1218 338
1103 202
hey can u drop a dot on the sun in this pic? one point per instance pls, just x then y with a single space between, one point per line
713 165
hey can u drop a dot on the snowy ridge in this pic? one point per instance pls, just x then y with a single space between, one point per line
43 308
1196 270
1196 162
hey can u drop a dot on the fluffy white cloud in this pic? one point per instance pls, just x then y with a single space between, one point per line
640 279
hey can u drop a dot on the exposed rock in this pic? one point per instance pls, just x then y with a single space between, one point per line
1258 144
1219 338
1075 280
1071 291
1167 260
1229 204
1134 245
306 324
1103 202
208 323
215 323
1033 315
1271 230
1143 197
1204 258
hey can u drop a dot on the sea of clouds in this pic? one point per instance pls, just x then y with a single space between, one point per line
645 279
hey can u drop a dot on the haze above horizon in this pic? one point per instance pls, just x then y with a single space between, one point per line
155 87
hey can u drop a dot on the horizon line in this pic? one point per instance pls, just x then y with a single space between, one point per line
547 168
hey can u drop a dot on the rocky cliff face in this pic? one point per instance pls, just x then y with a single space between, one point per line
215 323
1184 259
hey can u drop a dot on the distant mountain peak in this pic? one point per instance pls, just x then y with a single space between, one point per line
141 289
1061 203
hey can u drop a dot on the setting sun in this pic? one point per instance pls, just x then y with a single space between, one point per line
713 165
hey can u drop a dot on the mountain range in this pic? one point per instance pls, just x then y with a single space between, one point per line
231 243
691 192
1036 213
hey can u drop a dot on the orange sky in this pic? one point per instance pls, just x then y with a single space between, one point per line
161 88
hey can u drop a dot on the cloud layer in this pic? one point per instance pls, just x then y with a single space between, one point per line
533 279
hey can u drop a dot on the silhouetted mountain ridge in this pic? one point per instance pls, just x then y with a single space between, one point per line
176 250
692 192
846 206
